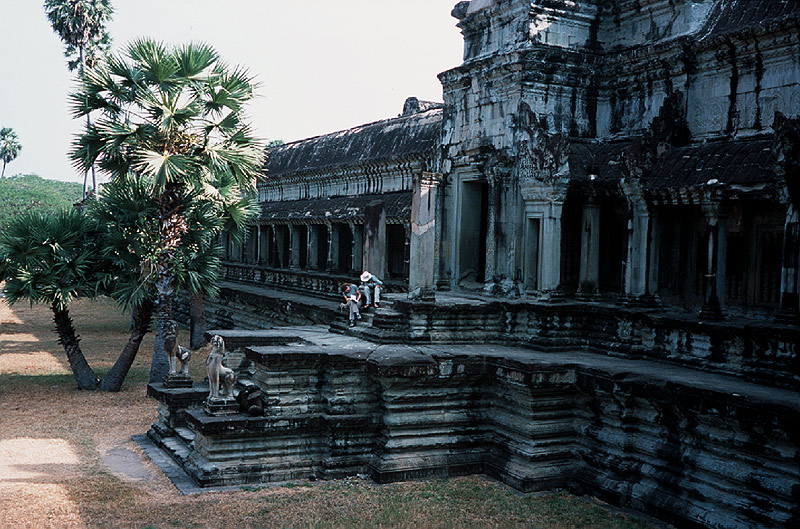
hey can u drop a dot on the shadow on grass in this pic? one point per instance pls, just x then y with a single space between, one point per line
136 377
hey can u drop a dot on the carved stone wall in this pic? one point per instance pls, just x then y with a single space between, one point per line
695 455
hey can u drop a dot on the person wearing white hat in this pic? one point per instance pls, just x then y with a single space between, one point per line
369 285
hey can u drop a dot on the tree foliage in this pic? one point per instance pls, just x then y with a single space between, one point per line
173 118
54 259
81 26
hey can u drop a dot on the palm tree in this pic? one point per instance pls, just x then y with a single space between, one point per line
9 147
173 116
54 259
80 24
236 211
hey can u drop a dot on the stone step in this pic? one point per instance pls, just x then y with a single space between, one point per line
176 447
185 434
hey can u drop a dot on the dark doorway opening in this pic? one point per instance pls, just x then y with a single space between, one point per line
395 250
473 230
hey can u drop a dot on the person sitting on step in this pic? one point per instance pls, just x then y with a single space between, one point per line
370 284
352 297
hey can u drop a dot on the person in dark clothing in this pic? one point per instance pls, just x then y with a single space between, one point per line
352 297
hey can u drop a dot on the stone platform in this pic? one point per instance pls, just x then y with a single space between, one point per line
690 447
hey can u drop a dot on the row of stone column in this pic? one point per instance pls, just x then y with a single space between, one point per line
642 255
344 247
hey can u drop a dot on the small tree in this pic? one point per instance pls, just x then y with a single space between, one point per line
9 147
173 116
54 259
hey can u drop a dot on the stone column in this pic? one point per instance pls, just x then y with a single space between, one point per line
375 238
294 247
711 309
329 262
492 214
638 261
226 245
406 249
653 244
274 254
355 266
787 171
335 247
550 246
358 247
313 245
422 260
444 241
590 250
790 268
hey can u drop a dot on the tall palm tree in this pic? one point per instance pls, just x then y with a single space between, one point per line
9 147
172 115
53 259
81 25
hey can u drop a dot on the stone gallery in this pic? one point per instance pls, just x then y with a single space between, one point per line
589 252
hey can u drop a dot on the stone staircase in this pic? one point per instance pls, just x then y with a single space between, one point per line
383 325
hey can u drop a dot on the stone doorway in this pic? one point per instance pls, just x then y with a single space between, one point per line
472 232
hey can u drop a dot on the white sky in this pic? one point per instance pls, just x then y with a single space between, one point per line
323 65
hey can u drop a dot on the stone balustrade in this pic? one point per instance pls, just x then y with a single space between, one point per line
310 282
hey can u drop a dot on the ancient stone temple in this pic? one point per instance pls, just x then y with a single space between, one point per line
337 204
591 252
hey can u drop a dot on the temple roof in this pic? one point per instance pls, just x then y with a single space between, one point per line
390 139
732 162
743 162
396 205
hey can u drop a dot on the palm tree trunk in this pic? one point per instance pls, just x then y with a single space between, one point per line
197 321
88 124
140 320
71 342
171 229
4 170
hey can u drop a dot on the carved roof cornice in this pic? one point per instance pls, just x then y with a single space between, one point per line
403 167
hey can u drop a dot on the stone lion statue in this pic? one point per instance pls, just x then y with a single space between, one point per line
220 378
176 353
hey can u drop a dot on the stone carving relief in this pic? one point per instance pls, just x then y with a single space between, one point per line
542 156
668 129
786 149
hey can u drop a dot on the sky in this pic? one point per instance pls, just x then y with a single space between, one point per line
322 65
